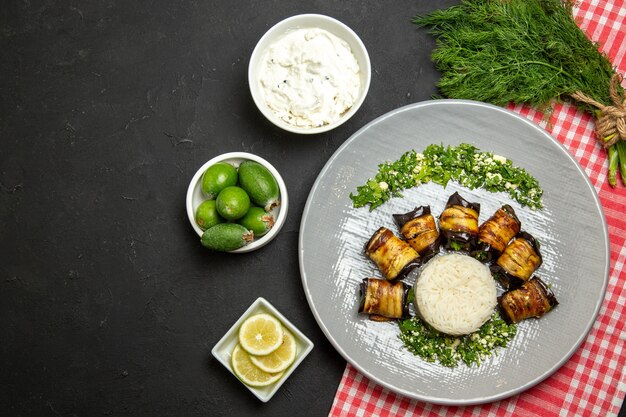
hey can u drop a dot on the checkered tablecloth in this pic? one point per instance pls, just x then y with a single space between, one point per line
593 381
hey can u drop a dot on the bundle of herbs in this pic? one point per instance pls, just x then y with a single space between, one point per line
532 52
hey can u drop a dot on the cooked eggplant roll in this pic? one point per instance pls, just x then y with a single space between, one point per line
419 229
383 300
532 299
393 256
495 234
518 261
458 224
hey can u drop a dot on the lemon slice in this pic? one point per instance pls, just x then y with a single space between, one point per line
281 358
248 373
260 334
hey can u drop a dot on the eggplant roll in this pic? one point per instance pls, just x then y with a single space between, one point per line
496 233
383 300
532 299
393 256
458 224
419 229
518 261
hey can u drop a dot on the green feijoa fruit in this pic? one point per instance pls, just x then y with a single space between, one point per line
257 220
217 177
260 184
207 215
225 237
232 203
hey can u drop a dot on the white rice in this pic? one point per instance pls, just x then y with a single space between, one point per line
455 294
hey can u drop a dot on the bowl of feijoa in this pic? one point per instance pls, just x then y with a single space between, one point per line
236 202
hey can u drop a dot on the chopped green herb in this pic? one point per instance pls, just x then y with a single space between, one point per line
410 297
433 346
456 245
464 164
480 255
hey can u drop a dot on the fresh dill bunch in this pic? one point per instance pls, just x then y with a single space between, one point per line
525 51
516 51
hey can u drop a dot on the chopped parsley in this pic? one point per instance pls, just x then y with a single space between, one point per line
433 346
464 164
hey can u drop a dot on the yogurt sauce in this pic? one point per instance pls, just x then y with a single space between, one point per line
309 77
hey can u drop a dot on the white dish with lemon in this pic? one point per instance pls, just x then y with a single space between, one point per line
262 349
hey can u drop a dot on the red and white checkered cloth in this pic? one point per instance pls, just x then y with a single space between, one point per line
593 381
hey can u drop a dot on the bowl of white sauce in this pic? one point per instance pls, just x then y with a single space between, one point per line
309 74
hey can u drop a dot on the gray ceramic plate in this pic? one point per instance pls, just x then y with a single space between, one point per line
571 228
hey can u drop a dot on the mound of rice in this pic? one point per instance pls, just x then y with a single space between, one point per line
455 294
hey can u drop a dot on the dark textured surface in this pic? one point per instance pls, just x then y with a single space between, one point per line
109 304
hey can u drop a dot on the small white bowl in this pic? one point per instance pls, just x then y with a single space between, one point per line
308 21
223 349
195 197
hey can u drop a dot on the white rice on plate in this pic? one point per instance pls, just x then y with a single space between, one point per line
455 294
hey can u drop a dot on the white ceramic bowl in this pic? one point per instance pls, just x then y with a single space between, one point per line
223 349
308 21
195 197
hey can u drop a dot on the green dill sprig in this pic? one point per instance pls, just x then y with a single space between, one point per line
464 164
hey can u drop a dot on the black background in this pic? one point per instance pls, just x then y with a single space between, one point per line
108 303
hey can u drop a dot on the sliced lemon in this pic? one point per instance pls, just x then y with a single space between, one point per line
260 334
281 358
249 373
